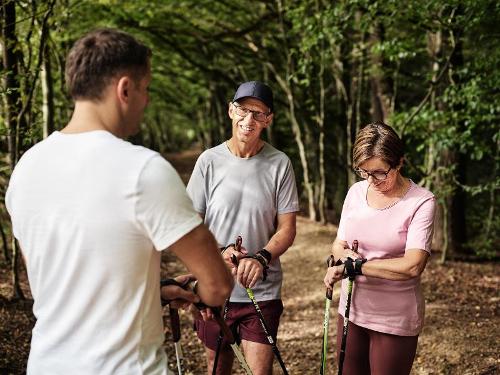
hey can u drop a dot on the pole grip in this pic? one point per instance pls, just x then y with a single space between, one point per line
175 324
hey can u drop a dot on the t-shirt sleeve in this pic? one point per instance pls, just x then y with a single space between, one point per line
341 234
341 229
288 200
163 208
196 187
421 227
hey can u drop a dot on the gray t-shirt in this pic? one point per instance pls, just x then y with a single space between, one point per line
243 197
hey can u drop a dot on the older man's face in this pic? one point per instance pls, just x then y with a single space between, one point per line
245 127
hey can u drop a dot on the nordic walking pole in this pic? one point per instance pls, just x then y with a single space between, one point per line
219 341
326 322
266 331
226 332
176 335
261 316
350 283
232 342
175 322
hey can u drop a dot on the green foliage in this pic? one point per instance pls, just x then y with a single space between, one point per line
203 49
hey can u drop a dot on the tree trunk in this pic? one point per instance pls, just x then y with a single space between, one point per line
47 93
440 240
11 78
297 132
5 245
303 157
17 292
321 139
492 200
356 88
381 96
458 224
286 86
13 106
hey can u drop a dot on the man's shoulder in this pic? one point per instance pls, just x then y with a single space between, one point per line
127 151
272 152
213 152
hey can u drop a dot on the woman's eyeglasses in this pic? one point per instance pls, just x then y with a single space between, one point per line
377 175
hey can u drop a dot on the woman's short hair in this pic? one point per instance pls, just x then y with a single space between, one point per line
377 140
100 56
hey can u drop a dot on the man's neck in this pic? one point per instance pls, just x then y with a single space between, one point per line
90 116
243 149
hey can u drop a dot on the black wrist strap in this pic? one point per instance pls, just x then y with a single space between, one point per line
358 264
266 254
353 267
349 268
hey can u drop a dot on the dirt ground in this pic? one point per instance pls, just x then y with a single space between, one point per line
461 333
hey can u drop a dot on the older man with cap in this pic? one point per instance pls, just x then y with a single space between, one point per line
245 187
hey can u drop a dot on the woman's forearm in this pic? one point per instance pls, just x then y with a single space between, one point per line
407 267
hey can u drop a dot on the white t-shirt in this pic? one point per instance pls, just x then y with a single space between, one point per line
243 197
89 211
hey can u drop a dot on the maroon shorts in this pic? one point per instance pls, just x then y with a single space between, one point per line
243 320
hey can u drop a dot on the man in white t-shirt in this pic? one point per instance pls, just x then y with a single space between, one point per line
91 213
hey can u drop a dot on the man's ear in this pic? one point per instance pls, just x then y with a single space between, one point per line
269 120
123 88
230 110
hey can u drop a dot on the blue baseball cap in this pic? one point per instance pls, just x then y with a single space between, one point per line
257 90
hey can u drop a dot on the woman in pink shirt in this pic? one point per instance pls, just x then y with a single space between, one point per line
392 219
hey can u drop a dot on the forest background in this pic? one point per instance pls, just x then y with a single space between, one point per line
429 68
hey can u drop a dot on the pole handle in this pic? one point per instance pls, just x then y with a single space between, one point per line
237 244
175 324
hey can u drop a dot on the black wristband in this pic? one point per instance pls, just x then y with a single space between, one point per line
358 264
349 268
353 267
266 254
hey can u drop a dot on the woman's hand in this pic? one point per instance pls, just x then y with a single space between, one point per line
349 253
341 251
333 274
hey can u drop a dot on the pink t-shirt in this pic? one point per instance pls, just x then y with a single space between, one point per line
395 307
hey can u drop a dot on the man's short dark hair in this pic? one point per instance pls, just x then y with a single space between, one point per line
100 56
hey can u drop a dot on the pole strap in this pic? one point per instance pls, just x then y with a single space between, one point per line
353 267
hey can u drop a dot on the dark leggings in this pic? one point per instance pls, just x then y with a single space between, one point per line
371 352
